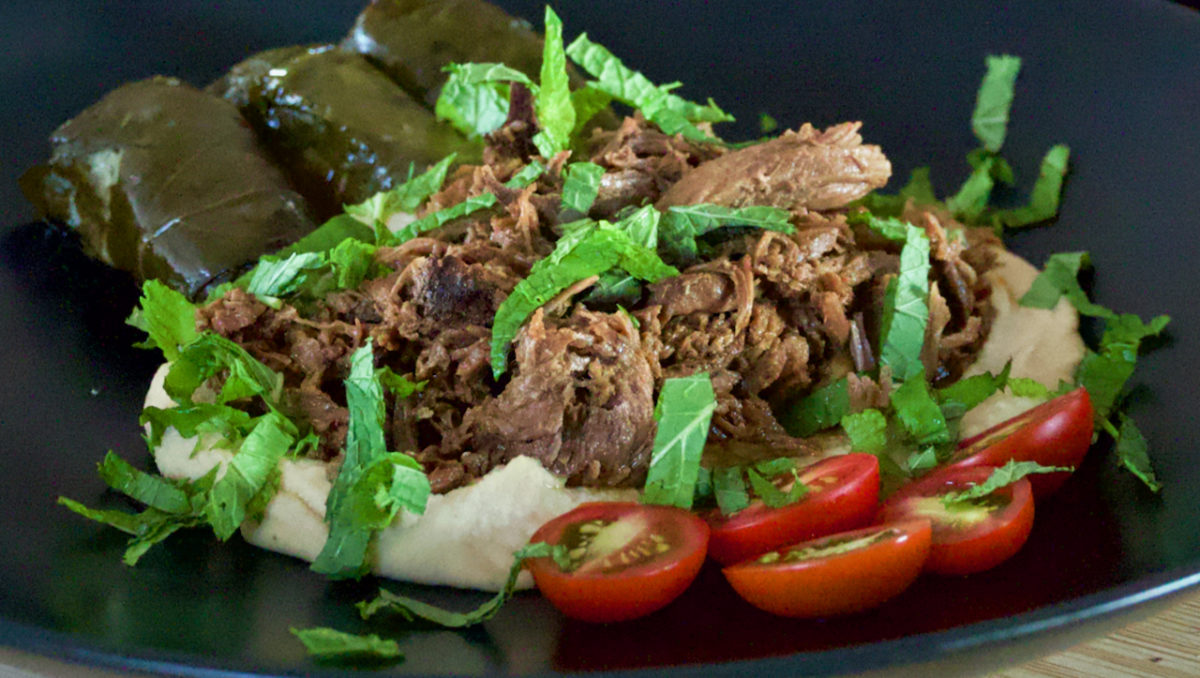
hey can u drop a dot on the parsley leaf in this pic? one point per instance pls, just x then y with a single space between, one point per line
683 412
905 312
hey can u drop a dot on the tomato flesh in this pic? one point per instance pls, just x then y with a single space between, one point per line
1056 433
627 559
836 574
843 494
970 537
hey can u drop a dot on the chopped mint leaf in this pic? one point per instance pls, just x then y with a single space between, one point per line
972 197
588 102
441 218
555 111
994 100
398 385
1132 453
327 643
208 355
964 394
919 462
280 277
167 317
372 485
581 252
918 412
821 409
729 489
474 99
528 174
672 114
683 412
1047 191
1025 387
581 184
324 238
891 228
771 495
405 197
905 312
1059 279
247 473
411 609
153 491
1105 372
682 224
189 419
867 431
767 124
1002 477
352 262
919 190
152 525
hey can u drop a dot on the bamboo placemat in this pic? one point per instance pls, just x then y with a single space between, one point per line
1165 646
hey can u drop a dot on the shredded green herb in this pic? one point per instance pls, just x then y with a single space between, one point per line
684 410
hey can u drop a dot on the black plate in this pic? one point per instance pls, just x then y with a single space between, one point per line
1115 80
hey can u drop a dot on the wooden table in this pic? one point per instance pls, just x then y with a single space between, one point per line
1165 646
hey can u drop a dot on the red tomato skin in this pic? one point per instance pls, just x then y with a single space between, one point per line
981 547
601 598
1056 433
840 584
759 528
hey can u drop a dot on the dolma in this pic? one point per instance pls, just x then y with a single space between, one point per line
167 182
412 40
344 130
247 76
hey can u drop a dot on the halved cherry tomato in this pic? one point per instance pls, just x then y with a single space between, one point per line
972 536
836 574
627 559
843 493
1056 433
